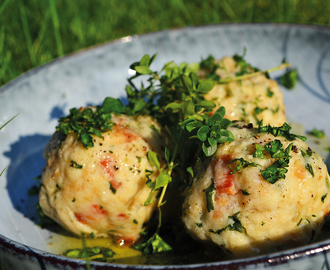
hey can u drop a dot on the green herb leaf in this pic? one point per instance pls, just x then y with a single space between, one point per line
258 110
276 171
111 105
143 69
113 190
317 133
205 86
86 123
245 193
75 165
323 197
154 245
258 151
283 131
209 192
275 149
242 163
289 79
162 180
236 226
153 159
309 168
209 150
202 133
270 93
193 125
191 172
145 60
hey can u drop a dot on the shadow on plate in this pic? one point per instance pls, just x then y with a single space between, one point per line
26 164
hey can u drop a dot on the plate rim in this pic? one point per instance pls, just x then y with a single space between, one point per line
133 37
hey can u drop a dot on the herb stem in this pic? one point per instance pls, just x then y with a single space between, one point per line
251 75
169 172
3 171
1 127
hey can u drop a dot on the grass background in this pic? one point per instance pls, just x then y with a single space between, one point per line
34 32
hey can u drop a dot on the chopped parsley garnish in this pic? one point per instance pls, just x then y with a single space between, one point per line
209 192
235 226
242 163
98 254
258 110
75 165
283 131
258 151
278 169
245 193
154 245
308 152
58 188
113 190
270 93
323 197
317 133
85 122
154 128
309 168
299 222
199 225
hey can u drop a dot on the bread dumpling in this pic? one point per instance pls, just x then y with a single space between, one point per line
258 194
101 190
250 100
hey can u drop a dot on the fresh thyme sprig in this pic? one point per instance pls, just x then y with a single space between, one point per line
175 97
254 74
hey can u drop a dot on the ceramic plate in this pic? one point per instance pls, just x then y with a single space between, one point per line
42 95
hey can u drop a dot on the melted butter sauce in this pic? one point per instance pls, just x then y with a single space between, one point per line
61 240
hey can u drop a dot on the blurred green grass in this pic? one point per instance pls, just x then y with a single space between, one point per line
34 32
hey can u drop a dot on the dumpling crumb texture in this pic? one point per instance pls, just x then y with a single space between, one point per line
251 215
250 100
102 190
